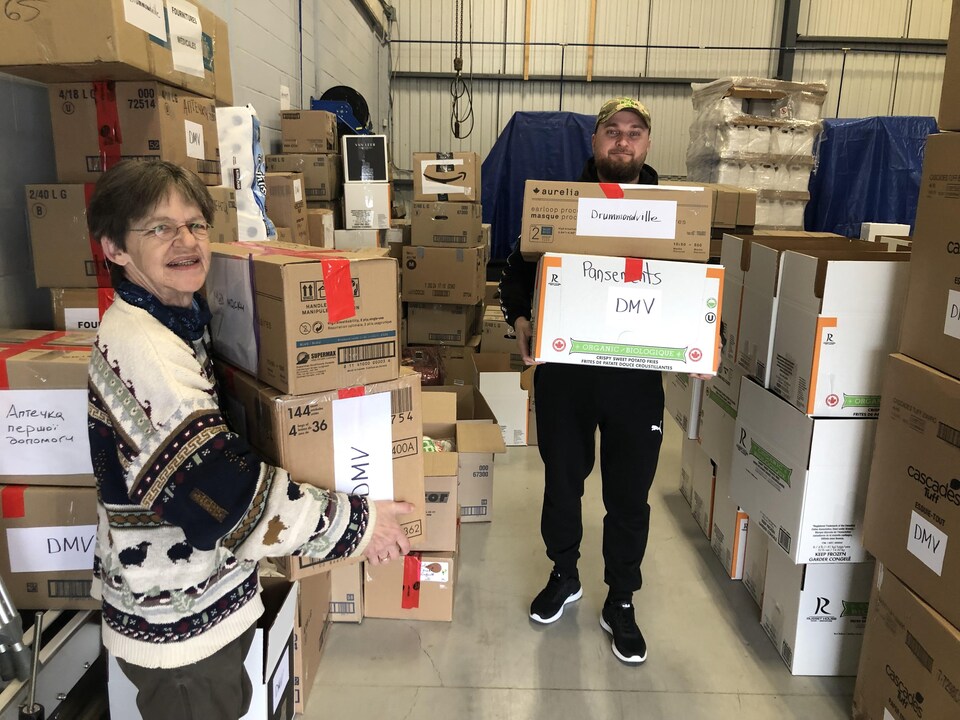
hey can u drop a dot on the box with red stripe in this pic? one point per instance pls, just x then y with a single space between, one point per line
79 308
419 586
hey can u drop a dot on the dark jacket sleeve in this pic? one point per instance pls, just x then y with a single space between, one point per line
516 286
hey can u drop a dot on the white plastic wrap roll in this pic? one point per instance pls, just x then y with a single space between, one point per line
242 168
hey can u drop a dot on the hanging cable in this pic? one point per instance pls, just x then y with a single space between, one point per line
461 91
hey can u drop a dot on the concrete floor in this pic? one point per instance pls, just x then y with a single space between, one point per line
708 656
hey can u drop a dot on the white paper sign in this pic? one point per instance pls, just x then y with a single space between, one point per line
432 186
186 45
281 678
230 294
927 542
633 309
194 134
363 446
44 432
146 15
51 549
297 191
621 217
81 318
951 325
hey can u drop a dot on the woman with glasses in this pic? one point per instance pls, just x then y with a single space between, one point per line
185 507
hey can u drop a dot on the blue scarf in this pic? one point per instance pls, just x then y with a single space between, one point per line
187 323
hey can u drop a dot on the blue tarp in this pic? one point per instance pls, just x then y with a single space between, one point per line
868 170
533 145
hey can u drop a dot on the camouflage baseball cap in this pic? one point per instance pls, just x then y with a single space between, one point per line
615 105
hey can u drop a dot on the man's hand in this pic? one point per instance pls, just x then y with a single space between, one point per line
389 541
524 333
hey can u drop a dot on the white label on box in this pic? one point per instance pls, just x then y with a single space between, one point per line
81 318
146 15
927 542
632 309
280 678
297 190
622 217
432 187
51 549
363 446
44 432
951 325
186 44
435 571
194 133
887 715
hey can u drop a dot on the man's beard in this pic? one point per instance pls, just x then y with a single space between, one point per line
619 172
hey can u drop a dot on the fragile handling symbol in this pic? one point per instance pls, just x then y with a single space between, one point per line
559 344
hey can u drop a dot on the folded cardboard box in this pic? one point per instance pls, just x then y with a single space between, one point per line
322 178
308 131
286 203
455 276
648 221
435 324
447 224
446 176
309 635
142 120
346 593
179 44
500 386
79 308
730 524
419 586
912 518
305 320
627 312
755 562
678 399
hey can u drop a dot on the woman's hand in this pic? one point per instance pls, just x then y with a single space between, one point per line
389 541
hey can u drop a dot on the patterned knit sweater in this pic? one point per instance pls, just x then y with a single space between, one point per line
185 507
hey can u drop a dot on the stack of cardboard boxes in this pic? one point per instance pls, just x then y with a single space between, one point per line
911 662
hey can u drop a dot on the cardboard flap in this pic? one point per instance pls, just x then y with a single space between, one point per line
439 412
280 601
479 437
440 464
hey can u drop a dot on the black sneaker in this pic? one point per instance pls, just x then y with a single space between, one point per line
628 643
547 607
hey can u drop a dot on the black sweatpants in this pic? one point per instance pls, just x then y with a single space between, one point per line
627 406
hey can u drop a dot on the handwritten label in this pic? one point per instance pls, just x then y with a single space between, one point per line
146 15
186 45
281 678
621 217
44 432
436 571
194 133
363 446
951 325
927 542
633 309
81 318
51 549
230 295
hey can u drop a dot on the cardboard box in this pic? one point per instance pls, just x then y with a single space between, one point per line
293 431
346 593
443 515
150 121
803 480
322 174
47 539
701 491
309 131
643 221
730 526
678 398
500 387
284 235
312 330
447 224
309 635
365 159
689 453
420 587
815 614
755 562
870 231
286 204
931 318
526 382
632 313
358 239
43 398
79 308
912 522
320 227
461 413
837 319
334 206
269 663
733 206
225 227
449 176
949 116
910 664
115 40
366 205
433 324
454 276
497 336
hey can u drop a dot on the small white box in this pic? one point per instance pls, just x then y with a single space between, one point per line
815 614
366 206
870 231
802 480
628 312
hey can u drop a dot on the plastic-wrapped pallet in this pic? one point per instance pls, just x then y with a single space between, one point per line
242 168
757 133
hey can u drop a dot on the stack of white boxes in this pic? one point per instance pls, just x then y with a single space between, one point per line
367 197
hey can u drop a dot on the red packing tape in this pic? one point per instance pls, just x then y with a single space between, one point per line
338 288
11 501
96 250
612 190
351 392
109 136
410 598
39 343
633 270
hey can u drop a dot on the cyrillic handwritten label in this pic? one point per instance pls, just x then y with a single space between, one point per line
44 432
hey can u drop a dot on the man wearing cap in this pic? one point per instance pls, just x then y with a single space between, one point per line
574 400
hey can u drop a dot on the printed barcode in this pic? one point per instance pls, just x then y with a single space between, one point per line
450 337
473 510
917 649
787 653
783 539
373 351
69 588
401 400
949 434
761 371
450 239
441 293
211 167
342 608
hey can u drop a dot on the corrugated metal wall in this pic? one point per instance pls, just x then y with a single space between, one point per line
681 39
